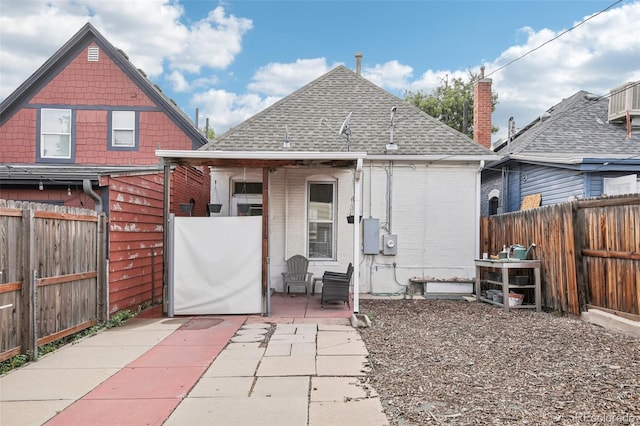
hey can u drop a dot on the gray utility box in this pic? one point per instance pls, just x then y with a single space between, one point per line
371 236
389 244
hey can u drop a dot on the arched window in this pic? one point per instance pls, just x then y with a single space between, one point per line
494 201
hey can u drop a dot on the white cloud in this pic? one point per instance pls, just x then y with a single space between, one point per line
597 56
178 82
149 31
226 110
391 75
280 79
430 80
213 42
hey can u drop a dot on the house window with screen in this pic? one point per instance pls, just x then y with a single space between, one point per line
123 130
321 220
55 133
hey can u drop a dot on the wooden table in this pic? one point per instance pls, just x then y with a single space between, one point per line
504 266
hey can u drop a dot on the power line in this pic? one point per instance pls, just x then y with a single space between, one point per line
554 38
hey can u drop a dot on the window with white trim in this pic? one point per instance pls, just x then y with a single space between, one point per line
321 216
123 129
55 133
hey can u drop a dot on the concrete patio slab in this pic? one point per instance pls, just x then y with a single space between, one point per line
346 326
31 412
273 411
355 412
304 365
335 365
247 338
83 356
114 337
339 389
232 346
222 387
232 368
242 353
303 349
293 338
279 349
340 343
37 384
281 386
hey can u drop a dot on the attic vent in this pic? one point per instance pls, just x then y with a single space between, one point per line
93 54
623 99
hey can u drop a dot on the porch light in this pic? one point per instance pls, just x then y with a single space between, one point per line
41 186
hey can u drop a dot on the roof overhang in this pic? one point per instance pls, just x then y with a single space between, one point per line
56 174
583 162
259 158
434 158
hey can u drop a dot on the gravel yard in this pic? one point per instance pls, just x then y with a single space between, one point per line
458 362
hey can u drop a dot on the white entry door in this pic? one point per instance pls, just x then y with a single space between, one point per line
216 266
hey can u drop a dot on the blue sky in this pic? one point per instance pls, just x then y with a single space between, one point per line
231 59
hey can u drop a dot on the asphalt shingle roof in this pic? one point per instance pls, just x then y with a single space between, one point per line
576 127
314 113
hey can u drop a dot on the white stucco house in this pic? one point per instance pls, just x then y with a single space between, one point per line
341 146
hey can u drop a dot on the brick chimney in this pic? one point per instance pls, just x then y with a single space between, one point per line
482 105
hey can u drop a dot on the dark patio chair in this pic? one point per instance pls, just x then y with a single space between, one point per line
335 287
297 274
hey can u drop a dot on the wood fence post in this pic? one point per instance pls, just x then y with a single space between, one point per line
102 293
29 286
578 233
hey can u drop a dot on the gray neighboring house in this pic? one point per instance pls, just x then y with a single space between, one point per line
585 146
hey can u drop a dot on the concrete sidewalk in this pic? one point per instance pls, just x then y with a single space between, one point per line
224 370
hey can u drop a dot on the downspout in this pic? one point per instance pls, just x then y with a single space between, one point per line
389 197
356 235
165 242
286 215
86 187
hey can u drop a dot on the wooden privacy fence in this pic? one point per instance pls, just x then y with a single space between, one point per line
52 274
589 251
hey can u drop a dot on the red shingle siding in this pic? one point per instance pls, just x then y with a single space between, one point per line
18 136
97 87
92 83
189 183
135 240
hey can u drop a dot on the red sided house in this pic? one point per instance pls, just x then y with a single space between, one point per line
82 131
